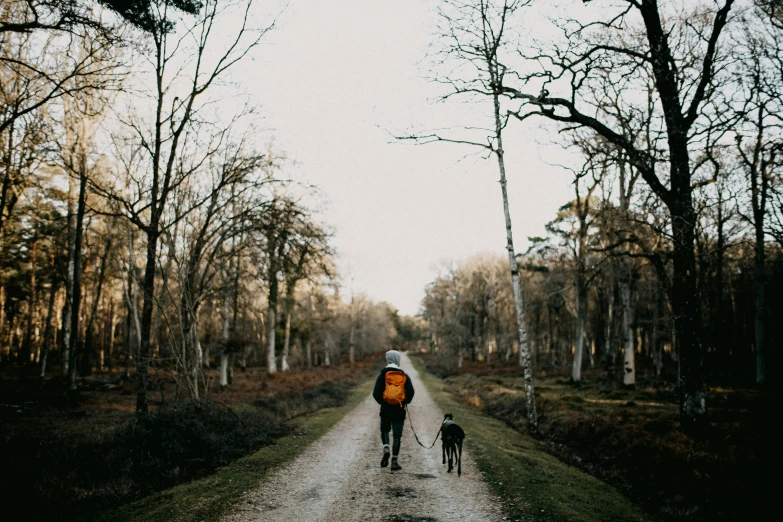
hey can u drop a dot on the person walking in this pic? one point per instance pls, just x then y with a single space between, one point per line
393 390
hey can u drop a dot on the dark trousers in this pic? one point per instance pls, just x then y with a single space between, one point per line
395 426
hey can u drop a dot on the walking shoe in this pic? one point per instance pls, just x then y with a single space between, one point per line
395 465
385 459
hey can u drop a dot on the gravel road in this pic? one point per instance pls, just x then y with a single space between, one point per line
339 477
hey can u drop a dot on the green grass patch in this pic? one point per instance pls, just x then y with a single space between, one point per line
533 485
214 496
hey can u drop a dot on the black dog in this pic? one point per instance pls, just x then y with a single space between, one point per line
452 437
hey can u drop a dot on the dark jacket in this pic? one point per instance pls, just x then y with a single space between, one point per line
392 411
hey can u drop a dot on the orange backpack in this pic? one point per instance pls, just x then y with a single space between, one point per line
395 387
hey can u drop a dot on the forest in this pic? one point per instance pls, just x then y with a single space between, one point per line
170 297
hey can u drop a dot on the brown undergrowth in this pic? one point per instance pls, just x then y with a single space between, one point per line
630 438
63 450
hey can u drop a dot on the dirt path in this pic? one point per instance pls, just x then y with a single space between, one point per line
339 477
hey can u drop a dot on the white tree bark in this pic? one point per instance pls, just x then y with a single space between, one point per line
133 291
69 278
205 357
130 293
582 210
524 347
196 360
284 362
629 367
224 339
223 370
271 362
576 369
581 312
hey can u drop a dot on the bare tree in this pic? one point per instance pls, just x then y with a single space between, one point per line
760 57
575 233
683 60
473 36
42 66
306 258
185 66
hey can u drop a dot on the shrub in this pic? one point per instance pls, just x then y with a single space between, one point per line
154 450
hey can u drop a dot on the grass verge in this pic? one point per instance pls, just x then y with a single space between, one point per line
66 453
629 437
214 496
533 485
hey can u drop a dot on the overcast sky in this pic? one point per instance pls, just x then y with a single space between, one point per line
332 80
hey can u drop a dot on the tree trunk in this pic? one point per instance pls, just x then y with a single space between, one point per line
48 330
524 347
132 298
271 327
287 340
109 361
67 320
88 338
205 357
225 337
235 308
223 370
610 350
687 318
629 366
77 276
148 289
164 278
196 358
679 201
759 306
718 325
127 340
581 313
27 344
271 362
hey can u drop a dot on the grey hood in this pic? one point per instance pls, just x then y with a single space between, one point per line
393 357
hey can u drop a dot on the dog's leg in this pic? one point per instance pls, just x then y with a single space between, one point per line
459 459
450 451
443 446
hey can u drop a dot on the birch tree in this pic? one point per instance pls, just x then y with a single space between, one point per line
473 37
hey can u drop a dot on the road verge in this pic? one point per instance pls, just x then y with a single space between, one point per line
214 496
532 484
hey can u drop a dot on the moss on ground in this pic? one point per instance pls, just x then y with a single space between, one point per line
214 496
533 485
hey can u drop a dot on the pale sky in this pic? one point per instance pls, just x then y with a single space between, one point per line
332 80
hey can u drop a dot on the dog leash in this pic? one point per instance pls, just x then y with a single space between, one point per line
410 421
